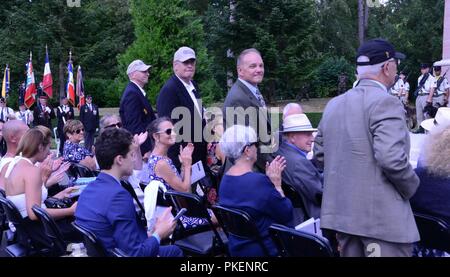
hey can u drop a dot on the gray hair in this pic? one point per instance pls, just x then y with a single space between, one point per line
288 109
106 119
437 151
364 70
235 138
245 52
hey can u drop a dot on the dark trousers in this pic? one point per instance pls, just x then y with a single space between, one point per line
62 140
89 139
170 251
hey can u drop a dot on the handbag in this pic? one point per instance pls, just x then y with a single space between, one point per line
56 203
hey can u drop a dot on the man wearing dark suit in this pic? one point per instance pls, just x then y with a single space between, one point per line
182 92
363 145
245 105
90 118
64 112
135 111
43 113
107 209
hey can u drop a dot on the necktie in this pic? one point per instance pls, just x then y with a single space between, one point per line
260 97
1 115
23 117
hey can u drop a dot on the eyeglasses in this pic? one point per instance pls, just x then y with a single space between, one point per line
115 125
167 131
256 144
79 130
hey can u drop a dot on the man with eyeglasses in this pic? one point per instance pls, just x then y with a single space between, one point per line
135 109
181 94
363 145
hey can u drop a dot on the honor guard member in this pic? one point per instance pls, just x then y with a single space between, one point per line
64 112
401 88
90 118
43 113
441 93
24 114
425 90
6 113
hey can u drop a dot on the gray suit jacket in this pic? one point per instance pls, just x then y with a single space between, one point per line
249 112
304 177
363 144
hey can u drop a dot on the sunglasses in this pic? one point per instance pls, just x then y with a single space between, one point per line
79 130
250 144
167 131
115 125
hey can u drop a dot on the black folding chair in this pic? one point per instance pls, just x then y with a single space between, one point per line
141 214
239 224
293 243
93 246
77 170
297 202
201 241
434 232
57 244
25 246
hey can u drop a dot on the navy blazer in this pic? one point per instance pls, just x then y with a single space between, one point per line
90 119
107 209
136 113
67 116
172 95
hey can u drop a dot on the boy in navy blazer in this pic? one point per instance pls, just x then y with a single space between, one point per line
107 209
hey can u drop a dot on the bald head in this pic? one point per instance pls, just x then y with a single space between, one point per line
13 130
292 108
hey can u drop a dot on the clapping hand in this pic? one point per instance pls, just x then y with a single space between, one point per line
274 170
140 138
186 154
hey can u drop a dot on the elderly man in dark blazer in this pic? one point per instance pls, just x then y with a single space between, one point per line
300 173
135 110
364 144
244 103
180 95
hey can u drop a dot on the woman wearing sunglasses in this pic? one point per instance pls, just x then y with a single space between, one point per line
261 196
73 151
161 168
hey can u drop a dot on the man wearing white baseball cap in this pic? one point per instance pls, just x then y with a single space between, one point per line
135 111
442 118
300 172
181 91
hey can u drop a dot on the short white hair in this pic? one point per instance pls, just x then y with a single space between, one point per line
235 139
291 106
364 70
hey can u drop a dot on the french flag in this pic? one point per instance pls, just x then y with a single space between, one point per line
70 88
47 81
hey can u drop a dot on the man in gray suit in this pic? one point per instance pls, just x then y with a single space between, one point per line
244 104
300 173
363 144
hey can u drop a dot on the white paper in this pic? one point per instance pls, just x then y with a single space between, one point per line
198 172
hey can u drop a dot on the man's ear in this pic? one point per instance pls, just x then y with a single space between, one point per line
118 160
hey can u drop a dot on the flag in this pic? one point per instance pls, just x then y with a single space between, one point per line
47 81
5 84
30 87
70 88
80 88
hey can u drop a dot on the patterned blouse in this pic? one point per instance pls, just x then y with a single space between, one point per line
188 222
74 152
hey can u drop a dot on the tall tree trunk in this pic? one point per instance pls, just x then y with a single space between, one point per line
361 21
61 80
230 53
366 17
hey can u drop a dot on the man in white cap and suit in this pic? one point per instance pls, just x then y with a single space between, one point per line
182 91
135 111
300 172
363 144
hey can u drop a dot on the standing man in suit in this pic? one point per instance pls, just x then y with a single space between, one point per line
363 144
64 112
135 111
244 103
43 113
182 91
90 118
